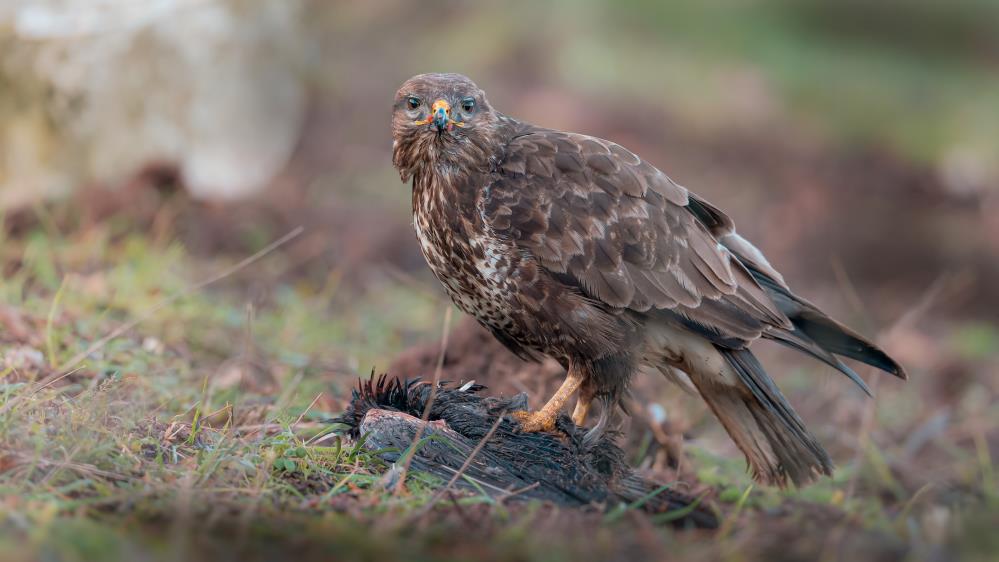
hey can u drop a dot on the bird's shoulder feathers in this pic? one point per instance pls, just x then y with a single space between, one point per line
599 218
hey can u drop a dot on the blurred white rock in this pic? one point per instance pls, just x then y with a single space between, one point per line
214 86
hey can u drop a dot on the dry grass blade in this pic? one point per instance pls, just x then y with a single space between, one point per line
47 381
461 470
867 421
446 331
306 410
20 459
517 492
149 313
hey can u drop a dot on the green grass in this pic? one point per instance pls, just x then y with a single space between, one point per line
199 433
155 417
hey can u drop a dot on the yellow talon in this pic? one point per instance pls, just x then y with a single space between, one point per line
535 422
544 419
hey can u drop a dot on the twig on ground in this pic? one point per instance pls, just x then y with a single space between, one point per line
446 329
517 492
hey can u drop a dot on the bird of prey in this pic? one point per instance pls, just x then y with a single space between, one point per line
571 246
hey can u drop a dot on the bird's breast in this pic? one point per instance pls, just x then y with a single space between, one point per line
475 268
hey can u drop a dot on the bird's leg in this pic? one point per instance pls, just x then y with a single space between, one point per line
544 419
582 408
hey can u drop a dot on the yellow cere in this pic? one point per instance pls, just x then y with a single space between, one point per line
438 105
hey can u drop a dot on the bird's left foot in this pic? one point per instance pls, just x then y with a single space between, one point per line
535 422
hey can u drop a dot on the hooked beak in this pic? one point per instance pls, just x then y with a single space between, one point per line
440 114
440 117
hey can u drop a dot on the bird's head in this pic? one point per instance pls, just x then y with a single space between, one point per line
439 119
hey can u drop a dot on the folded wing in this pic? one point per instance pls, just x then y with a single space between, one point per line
599 218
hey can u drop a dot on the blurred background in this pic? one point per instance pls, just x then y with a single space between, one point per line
854 142
841 136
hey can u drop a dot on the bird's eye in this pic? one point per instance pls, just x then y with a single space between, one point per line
467 105
413 102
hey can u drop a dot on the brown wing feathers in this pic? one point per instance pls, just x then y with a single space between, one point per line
819 335
814 332
573 247
762 423
620 228
597 215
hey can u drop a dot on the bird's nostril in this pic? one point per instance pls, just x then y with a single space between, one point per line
440 118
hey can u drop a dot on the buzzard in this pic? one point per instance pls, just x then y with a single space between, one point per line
573 247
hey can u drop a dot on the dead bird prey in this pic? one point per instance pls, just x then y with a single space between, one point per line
573 247
559 467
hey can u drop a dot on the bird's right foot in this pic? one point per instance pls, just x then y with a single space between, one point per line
535 422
